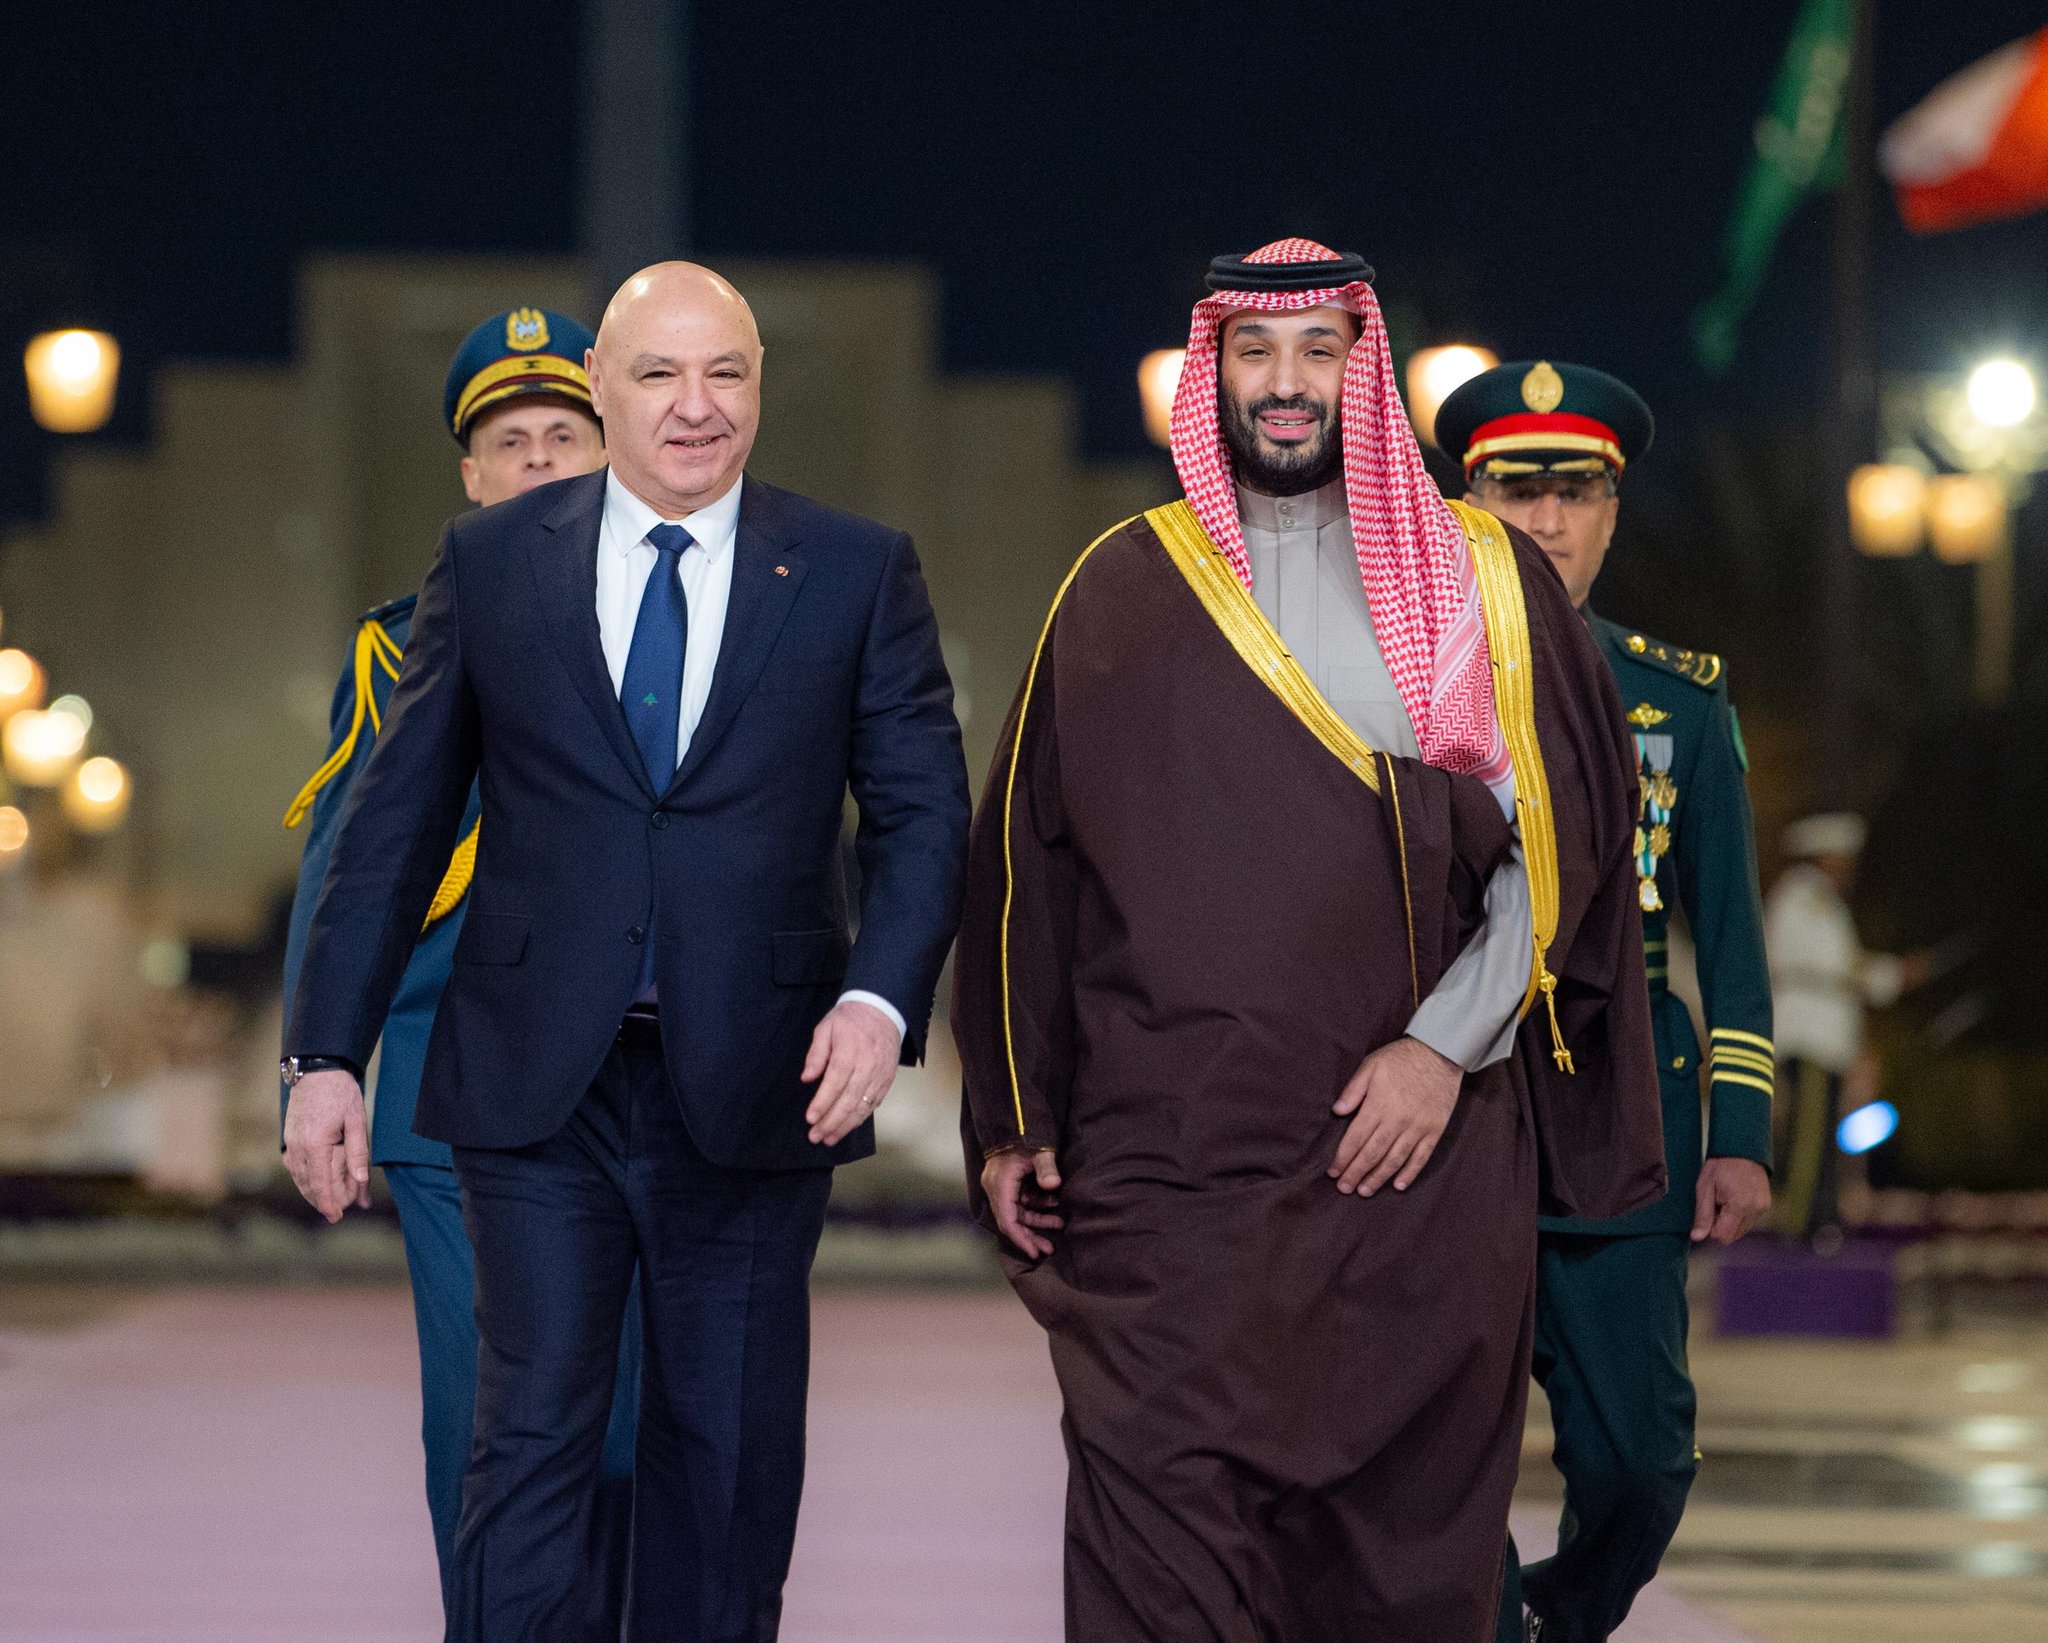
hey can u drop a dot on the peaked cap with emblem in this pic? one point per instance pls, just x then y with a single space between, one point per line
1538 417
522 351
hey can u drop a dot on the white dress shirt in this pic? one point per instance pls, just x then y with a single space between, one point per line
1305 578
625 559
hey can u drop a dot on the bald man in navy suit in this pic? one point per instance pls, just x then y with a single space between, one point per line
659 1037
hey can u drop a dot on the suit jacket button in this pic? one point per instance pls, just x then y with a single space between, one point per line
636 935
660 818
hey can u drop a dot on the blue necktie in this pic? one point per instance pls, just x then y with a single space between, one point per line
652 691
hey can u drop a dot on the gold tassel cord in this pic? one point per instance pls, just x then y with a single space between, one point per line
374 649
455 885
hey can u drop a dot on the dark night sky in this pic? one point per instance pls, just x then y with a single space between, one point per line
1549 178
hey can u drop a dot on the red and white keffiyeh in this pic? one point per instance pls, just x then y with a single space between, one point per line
1419 580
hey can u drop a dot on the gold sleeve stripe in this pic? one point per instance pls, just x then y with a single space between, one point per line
1741 1052
374 649
1514 696
1745 1079
1736 1036
1009 808
1233 610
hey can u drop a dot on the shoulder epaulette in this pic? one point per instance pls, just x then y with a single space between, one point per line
389 611
374 649
1700 667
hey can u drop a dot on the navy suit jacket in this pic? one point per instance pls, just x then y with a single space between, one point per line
402 1051
829 677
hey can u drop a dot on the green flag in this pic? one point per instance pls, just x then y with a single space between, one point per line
1798 149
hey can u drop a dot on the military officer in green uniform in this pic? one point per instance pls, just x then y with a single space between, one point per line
1543 446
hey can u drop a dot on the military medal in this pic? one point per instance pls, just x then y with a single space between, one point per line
1660 797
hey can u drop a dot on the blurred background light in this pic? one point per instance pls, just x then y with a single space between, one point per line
21 682
71 378
1434 373
1887 509
1867 1127
13 836
40 748
1158 381
166 962
96 797
2001 393
1967 517
74 707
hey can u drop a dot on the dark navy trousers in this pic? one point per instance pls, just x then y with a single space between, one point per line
724 1258
444 1309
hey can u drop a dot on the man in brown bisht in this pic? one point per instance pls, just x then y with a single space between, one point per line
1304 872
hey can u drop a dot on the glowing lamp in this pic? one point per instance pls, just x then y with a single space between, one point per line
2001 393
71 376
21 682
1867 1127
1967 517
96 796
1433 374
1887 509
1158 381
40 748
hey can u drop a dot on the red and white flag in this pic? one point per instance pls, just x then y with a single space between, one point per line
1975 149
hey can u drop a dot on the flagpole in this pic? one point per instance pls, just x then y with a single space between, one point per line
1852 419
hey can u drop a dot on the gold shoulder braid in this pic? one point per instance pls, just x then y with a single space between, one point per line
375 648
1514 699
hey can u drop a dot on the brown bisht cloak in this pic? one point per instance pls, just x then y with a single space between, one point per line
1195 903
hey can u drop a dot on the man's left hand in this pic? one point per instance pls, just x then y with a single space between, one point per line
853 1063
1403 1094
1732 1196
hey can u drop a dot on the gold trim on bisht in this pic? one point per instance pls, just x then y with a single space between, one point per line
1514 700
1259 646
1233 610
1009 801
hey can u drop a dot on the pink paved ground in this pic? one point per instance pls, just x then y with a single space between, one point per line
242 1467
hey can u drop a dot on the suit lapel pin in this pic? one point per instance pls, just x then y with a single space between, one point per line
781 570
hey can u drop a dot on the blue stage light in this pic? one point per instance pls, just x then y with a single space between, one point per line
1867 1127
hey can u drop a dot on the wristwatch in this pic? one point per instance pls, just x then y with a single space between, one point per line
295 1067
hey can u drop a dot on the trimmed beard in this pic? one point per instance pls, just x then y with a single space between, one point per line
1290 471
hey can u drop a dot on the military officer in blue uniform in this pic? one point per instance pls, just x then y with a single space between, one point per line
1544 446
518 402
